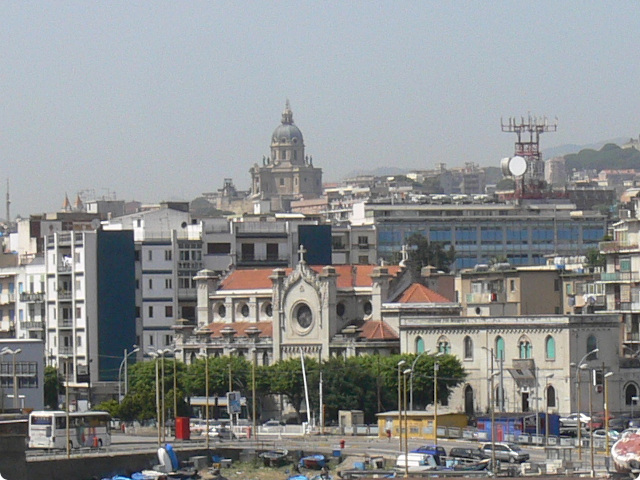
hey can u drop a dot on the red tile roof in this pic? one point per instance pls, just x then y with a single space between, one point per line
266 328
349 276
418 293
377 330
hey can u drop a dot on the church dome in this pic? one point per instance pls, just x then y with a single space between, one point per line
287 133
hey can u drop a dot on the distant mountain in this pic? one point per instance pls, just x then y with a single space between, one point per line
562 150
610 156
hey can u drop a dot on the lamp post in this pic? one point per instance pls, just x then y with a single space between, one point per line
400 364
634 400
606 411
406 424
579 424
493 423
584 367
125 363
253 393
413 364
206 393
13 353
155 356
500 362
436 367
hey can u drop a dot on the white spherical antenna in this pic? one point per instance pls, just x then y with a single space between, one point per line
517 166
95 223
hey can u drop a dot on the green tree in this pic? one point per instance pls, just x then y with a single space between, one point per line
595 258
423 253
450 374
53 387
285 378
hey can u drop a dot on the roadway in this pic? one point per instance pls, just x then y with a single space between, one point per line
354 445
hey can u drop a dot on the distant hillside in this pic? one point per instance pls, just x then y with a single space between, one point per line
610 157
562 150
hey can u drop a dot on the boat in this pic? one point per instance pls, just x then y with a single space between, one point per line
313 462
625 453
274 458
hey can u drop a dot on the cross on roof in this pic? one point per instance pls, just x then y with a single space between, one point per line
301 252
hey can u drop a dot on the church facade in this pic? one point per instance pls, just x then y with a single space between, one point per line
288 173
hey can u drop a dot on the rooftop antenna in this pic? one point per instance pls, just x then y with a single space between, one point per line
532 178
8 204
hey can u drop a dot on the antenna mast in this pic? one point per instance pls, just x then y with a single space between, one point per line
8 205
529 149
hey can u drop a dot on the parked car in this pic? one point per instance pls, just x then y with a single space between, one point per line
470 453
436 451
601 433
272 426
505 452
571 421
221 432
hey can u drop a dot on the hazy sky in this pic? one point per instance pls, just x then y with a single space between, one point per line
163 100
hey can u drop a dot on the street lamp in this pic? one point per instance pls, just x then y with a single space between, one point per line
413 364
579 424
400 364
493 423
125 363
500 363
606 411
584 366
406 424
436 367
13 353
206 393
253 393
155 356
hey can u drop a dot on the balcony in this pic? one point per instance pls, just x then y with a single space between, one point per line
619 277
9 297
632 337
64 268
65 350
363 246
65 294
32 297
190 265
338 246
614 246
65 323
486 297
268 260
32 325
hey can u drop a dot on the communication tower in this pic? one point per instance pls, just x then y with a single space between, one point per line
527 165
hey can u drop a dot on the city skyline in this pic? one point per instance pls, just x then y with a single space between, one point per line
153 101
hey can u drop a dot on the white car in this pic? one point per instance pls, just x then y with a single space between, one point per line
221 432
571 421
601 433
272 426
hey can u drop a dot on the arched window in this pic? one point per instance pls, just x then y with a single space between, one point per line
468 400
631 393
550 348
265 359
592 344
419 345
500 348
443 345
524 347
551 397
468 348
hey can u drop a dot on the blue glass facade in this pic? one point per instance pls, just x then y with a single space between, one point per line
479 236
116 300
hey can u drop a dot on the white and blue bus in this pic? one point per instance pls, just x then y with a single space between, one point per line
48 429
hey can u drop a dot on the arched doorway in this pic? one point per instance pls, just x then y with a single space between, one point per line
468 400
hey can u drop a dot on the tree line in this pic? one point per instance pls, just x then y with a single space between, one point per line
368 383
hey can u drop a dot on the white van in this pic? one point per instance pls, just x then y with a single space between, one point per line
415 462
